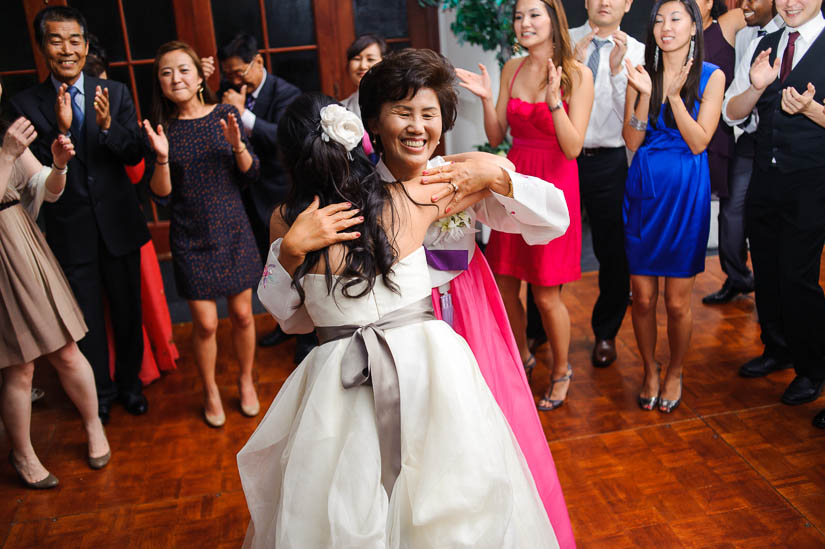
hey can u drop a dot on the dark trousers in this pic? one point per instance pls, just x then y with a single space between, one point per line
119 278
733 250
602 179
785 224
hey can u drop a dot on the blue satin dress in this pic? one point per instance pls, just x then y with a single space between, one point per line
666 207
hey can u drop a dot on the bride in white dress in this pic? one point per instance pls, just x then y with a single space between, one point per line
386 435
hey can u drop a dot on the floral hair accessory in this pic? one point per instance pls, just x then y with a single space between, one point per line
342 126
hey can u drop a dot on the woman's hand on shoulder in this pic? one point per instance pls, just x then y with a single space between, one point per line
315 228
468 177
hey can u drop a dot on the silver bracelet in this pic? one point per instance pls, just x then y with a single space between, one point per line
61 171
637 124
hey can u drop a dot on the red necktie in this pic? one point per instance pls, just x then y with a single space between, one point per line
787 57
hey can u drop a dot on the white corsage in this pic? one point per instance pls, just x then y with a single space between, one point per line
341 126
454 227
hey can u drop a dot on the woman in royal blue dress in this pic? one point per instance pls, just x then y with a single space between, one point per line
672 108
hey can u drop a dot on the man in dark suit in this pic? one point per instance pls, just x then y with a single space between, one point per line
785 205
261 98
96 229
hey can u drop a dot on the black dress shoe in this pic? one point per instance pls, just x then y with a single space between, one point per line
103 411
135 403
819 420
801 390
763 365
305 344
604 353
726 294
275 337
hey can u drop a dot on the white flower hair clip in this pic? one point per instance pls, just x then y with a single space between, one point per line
342 126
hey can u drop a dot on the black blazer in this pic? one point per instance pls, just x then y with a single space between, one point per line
276 95
99 203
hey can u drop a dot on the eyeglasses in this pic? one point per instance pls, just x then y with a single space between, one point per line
238 73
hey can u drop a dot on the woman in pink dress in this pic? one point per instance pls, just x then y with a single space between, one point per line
464 291
547 109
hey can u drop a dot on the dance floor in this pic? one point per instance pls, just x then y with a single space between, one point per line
731 467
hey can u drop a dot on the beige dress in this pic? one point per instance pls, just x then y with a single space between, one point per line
38 311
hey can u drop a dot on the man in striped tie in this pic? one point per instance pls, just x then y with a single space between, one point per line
603 162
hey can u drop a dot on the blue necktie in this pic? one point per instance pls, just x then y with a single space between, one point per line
593 62
77 115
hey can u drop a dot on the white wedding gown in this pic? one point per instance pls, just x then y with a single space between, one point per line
311 471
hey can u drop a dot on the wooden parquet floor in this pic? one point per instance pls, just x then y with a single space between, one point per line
731 467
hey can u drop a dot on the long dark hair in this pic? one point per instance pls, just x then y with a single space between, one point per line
163 110
324 169
690 91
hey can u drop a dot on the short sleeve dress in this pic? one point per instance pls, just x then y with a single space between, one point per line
38 311
213 248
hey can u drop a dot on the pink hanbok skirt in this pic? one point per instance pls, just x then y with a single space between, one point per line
480 318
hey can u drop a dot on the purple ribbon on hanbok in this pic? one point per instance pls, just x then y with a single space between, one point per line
368 360
447 260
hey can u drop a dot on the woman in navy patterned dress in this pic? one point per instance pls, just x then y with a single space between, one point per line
202 160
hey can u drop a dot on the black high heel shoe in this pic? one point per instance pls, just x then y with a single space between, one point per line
529 364
667 406
555 403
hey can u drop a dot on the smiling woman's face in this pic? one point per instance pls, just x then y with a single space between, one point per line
673 26
409 130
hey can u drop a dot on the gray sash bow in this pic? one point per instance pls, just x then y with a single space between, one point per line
368 359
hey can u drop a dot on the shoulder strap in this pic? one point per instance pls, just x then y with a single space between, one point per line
512 80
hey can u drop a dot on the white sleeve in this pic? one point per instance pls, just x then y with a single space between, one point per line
537 211
35 192
248 119
277 294
741 82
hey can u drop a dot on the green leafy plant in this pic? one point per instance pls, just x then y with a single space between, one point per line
485 23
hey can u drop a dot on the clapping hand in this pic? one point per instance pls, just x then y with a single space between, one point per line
552 93
618 52
478 84
638 78
581 46
236 99
208 66
232 132
102 114
158 141
63 109
794 102
19 136
62 151
762 72
675 87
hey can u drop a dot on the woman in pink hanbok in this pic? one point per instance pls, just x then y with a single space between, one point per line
463 288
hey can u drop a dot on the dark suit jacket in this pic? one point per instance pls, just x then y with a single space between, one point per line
275 97
100 203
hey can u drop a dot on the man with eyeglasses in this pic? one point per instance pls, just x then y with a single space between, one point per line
261 98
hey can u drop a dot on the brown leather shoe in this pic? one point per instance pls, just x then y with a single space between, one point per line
604 353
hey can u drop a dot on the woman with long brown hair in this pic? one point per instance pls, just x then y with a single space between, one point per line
201 162
545 98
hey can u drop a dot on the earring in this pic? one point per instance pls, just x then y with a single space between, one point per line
516 48
656 58
692 48
200 93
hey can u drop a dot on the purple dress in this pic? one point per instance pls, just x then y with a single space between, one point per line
720 148
213 249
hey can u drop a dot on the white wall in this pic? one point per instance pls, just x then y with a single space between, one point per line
469 128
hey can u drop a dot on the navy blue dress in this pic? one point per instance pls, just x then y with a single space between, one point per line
213 249
666 207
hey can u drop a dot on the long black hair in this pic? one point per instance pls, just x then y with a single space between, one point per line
324 169
690 90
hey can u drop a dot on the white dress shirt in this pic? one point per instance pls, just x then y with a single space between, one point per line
248 117
808 33
607 114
